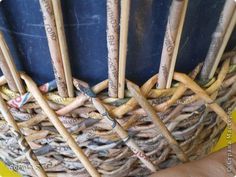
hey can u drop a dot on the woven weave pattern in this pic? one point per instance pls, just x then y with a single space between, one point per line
186 114
67 128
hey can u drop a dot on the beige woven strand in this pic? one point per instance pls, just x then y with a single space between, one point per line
124 27
7 73
169 41
182 88
112 46
59 126
21 140
118 111
63 45
9 60
180 91
79 100
123 134
53 44
203 95
177 43
87 91
132 103
136 93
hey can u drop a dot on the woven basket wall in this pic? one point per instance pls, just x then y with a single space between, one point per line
189 119
67 128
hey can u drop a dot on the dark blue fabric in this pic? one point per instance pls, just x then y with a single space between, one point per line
85 23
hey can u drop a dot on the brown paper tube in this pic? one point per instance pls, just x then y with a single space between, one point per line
117 112
218 83
37 136
217 38
11 65
175 92
225 40
135 91
169 41
180 90
21 140
33 121
112 46
59 126
79 100
124 27
63 45
210 90
7 73
123 134
87 91
53 44
132 103
177 43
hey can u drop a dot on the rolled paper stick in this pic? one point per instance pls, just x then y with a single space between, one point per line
132 103
180 90
155 93
228 95
228 55
79 100
59 100
124 27
41 134
135 91
7 73
176 46
203 95
20 100
225 40
117 112
210 90
11 65
217 37
2 80
21 140
33 121
169 41
220 78
47 87
112 46
63 45
123 135
86 90
54 47
229 81
59 126
23 99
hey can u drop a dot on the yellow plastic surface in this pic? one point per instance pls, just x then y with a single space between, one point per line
223 140
5 172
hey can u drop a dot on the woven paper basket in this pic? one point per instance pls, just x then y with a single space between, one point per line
67 128
190 112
